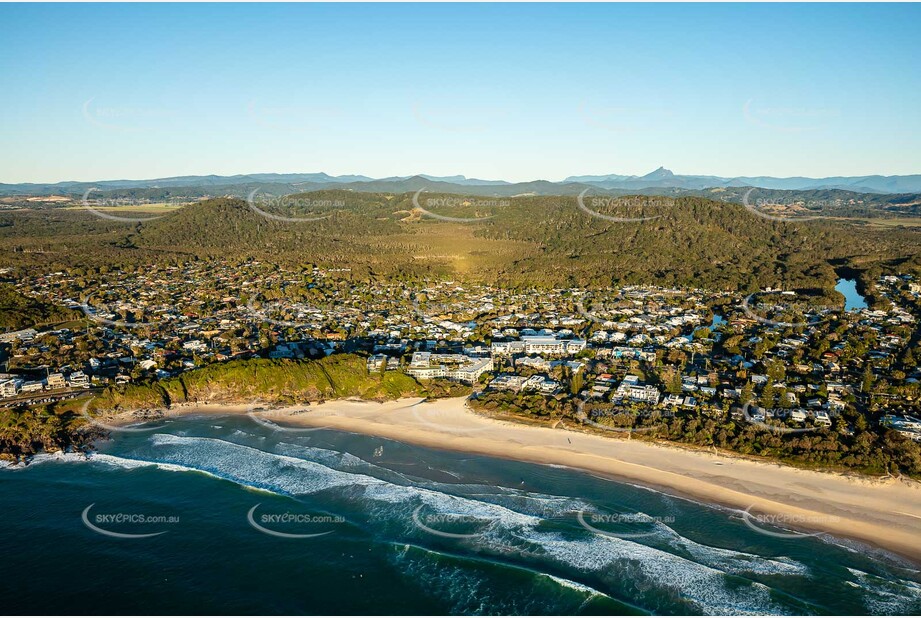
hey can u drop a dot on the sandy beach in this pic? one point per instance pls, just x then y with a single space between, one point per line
883 512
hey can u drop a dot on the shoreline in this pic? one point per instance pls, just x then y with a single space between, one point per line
883 512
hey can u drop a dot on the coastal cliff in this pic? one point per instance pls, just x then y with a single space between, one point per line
265 381
26 431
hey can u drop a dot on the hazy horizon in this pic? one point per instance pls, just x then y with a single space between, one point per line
561 179
511 92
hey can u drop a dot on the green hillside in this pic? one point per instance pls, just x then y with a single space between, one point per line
542 241
18 311
268 381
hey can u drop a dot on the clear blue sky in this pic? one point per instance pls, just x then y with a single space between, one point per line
511 91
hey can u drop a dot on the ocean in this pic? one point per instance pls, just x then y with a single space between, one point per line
223 515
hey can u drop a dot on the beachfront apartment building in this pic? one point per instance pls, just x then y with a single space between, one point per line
55 381
472 371
543 345
35 386
538 344
10 388
630 388
908 426
463 368
508 382
78 379
507 348
376 362
541 384
421 359
427 373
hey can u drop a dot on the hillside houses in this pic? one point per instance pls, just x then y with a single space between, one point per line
162 321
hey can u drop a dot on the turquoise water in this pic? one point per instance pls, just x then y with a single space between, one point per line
396 529
852 298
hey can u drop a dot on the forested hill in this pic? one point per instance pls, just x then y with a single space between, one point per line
534 240
18 311
522 241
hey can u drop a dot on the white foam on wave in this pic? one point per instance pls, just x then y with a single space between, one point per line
889 597
623 560
466 591
463 583
568 583
727 560
734 561
528 503
325 456
127 463
501 529
43 458
130 464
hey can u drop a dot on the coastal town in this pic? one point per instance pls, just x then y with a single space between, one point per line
766 358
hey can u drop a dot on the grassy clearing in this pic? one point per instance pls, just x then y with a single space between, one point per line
146 208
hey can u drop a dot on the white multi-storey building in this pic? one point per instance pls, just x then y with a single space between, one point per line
32 387
78 379
631 389
507 348
56 380
468 371
10 388
538 344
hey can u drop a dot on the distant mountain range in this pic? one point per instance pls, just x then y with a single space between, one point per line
663 178
660 180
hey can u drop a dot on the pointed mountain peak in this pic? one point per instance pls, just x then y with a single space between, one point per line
659 174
